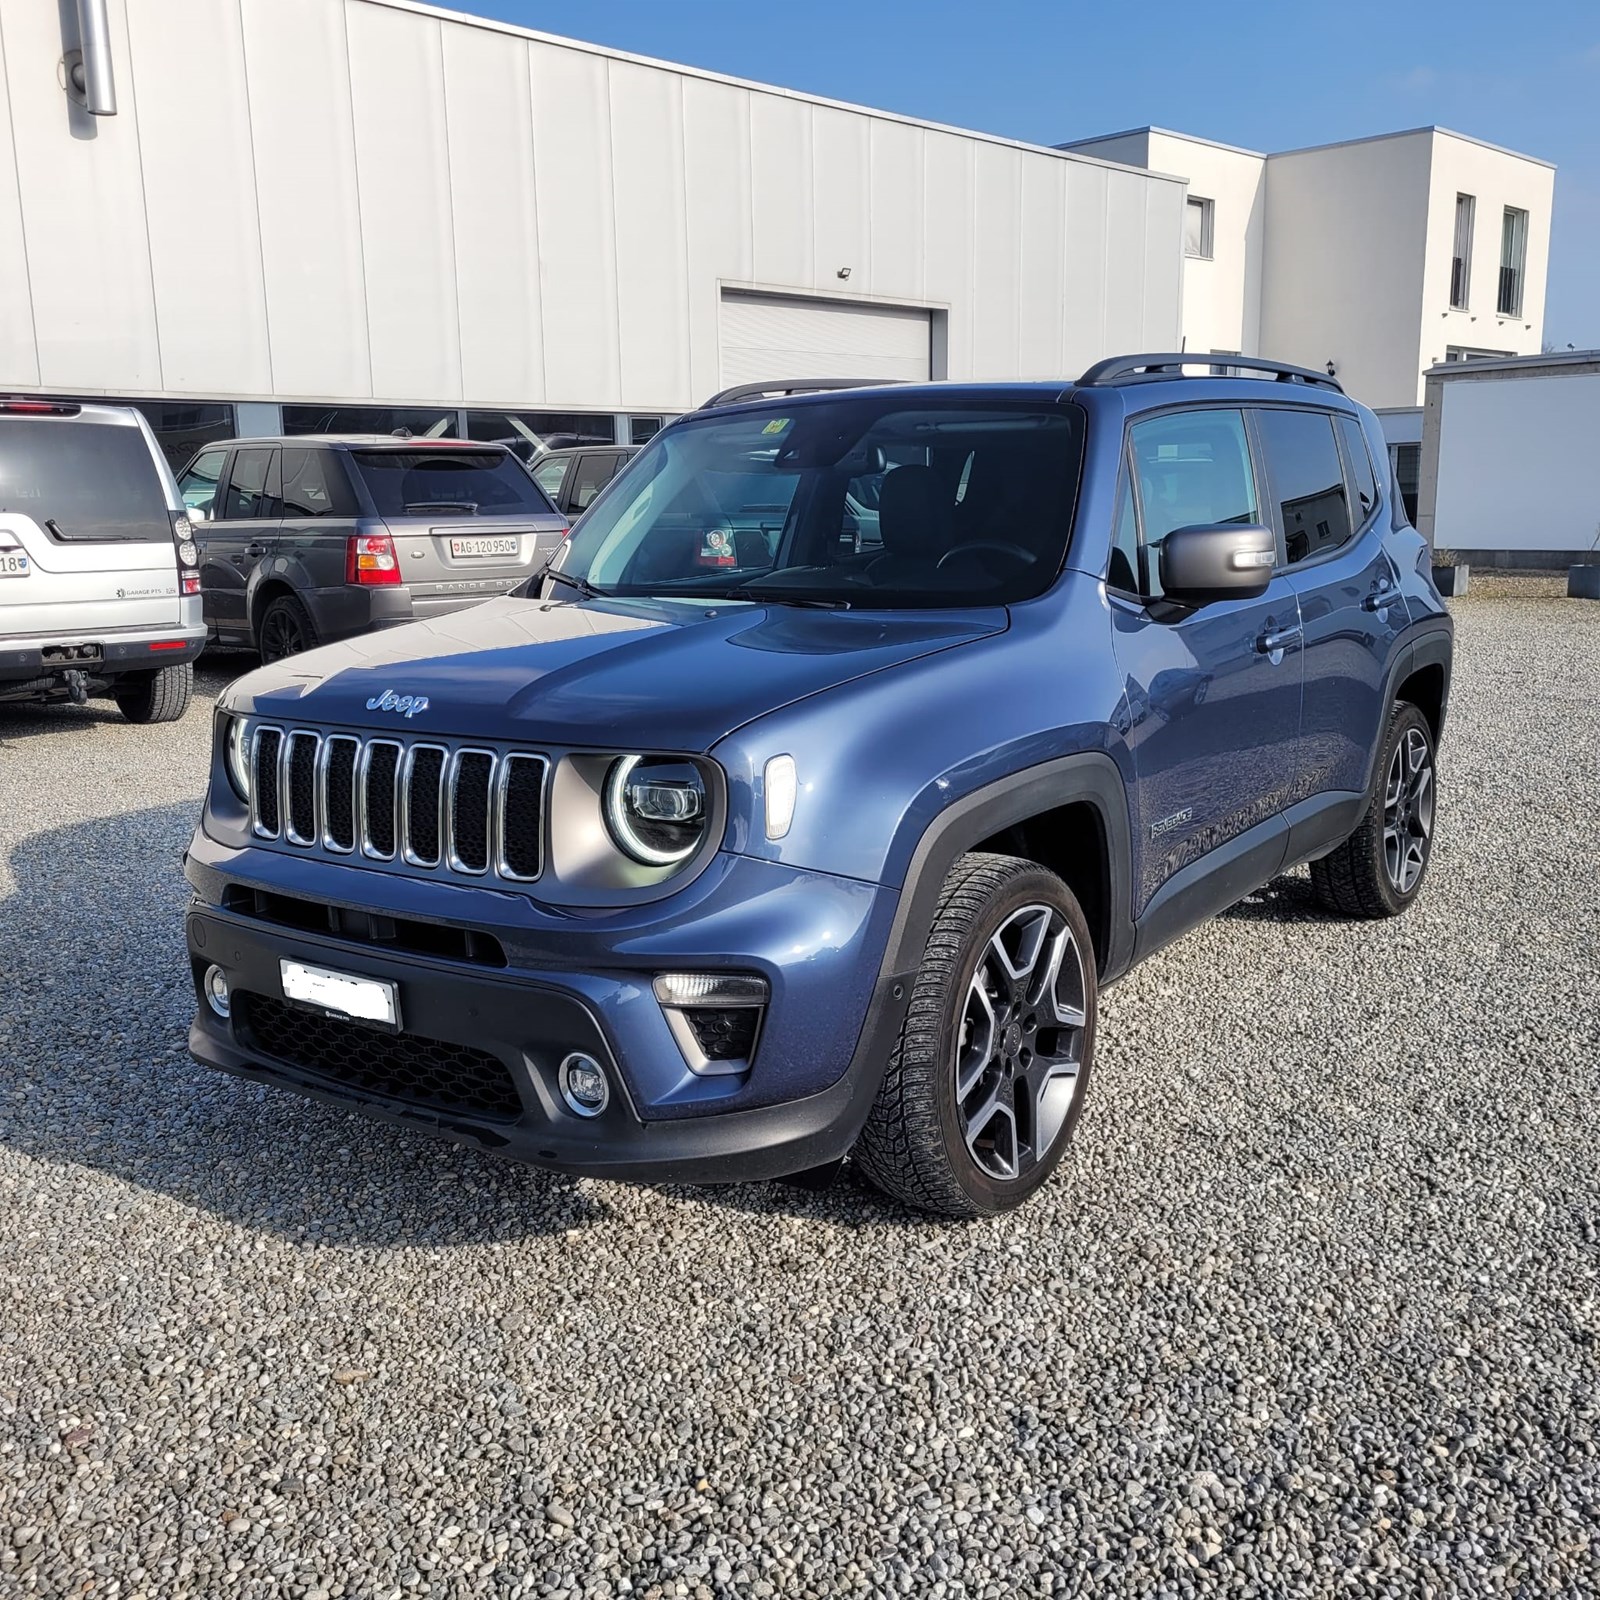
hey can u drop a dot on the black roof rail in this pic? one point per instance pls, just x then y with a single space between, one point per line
775 387
1170 364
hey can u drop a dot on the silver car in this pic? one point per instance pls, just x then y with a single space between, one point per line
99 580
314 537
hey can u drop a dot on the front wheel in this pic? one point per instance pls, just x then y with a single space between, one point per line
1378 870
988 1077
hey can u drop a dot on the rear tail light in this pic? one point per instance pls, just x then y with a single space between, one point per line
371 560
188 553
566 532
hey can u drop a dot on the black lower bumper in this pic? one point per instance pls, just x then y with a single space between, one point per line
528 1029
100 658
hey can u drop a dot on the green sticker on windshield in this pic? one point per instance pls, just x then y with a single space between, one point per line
777 425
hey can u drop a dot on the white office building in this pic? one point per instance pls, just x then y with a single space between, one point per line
255 216
1374 259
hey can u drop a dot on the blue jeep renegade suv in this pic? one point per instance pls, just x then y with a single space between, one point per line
852 743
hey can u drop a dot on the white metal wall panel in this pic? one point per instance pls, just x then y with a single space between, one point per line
407 236
1085 248
83 215
577 238
842 235
19 356
493 211
996 222
716 154
782 211
1161 265
764 336
1042 270
200 195
947 247
1124 222
299 109
647 142
895 156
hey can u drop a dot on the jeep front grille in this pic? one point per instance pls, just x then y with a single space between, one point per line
441 807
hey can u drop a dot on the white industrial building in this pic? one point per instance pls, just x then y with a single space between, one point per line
257 215
1374 259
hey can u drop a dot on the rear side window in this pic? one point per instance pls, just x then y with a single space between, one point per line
249 498
82 481
1363 482
1307 481
1193 468
454 483
550 474
594 473
314 485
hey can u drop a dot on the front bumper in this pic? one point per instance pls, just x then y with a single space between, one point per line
579 984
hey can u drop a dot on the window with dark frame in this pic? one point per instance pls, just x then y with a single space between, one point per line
1513 260
1461 253
1197 228
1308 484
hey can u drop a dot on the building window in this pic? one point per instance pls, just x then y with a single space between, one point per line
641 430
530 433
422 422
1467 352
180 426
1406 459
1197 228
1513 255
1461 255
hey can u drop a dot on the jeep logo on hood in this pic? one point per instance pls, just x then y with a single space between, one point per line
406 705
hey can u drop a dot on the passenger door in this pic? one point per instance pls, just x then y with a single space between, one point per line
595 469
1212 694
240 538
1325 502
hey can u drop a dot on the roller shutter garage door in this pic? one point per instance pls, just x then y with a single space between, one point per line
770 337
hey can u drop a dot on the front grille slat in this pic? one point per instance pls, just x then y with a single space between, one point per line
462 810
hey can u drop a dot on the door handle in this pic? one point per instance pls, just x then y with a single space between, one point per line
255 548
1380 600
1270 643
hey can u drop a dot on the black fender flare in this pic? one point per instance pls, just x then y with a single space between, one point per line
1090 776
1428 644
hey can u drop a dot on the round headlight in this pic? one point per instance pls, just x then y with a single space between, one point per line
655 808
236 758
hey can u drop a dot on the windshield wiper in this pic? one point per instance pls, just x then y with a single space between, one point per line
582 585
783 597
469 506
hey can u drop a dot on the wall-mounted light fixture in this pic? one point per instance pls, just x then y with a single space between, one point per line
844 272
1332 370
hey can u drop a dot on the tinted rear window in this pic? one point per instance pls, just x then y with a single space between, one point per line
460 483
91 480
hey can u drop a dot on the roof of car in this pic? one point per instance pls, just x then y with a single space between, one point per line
366 441
585 449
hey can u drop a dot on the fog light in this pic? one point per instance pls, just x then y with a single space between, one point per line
583 1085
217 996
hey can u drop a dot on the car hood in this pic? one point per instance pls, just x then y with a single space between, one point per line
617 674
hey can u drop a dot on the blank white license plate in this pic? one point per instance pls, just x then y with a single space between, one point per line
485 546
365 999
13 564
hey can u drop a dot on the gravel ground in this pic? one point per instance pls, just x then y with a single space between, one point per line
1312 1309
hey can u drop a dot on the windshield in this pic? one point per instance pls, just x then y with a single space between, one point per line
877 501
452 482
90 481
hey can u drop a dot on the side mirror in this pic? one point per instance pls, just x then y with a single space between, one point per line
1217 561
197 513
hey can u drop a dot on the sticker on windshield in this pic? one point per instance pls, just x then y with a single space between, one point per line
777 425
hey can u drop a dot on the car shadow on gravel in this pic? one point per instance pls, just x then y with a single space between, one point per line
27 720
1286 899
97 1072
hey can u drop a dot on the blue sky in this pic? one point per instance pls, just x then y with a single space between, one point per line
1267 76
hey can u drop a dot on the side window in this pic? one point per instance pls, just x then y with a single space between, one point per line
247 496
1363 481
549 474
1193 467
198 486
1123 571
1307 481
594 473
314 485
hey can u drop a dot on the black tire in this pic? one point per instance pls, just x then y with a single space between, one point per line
1359 879
285 629
915 1144
160 696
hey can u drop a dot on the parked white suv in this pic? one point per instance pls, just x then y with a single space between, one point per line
99 578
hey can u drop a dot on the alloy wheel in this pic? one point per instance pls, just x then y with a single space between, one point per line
1408 811
1020 1045
280 635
